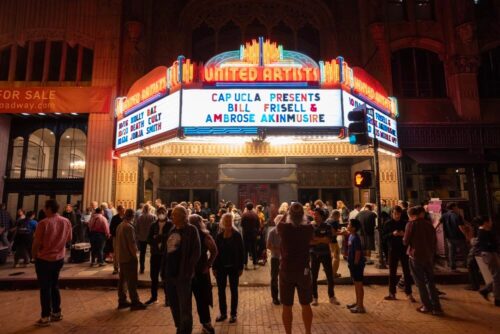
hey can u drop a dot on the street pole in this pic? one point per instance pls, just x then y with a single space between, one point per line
376 168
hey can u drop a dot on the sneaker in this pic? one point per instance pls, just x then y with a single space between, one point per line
358 309
232 319
390 297
484 294
334 301
43 322
350 306
207 328
221 318
56 317
124 305
151 301
315 302
422 309
276 302
138 306
411 299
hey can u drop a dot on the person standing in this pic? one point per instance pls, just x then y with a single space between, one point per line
250 225
98 233
420 237
202 286
23 239
296 235
356 263
367 218
394 230
488 246
5 225
320 254
49 250
142 226
228 263
274 245
158 233
334 223
454 232
344 212
115 222
126 255
70 214
178 268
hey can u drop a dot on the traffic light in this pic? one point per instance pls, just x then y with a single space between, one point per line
363 179
358 126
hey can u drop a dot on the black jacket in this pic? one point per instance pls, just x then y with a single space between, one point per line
155 239
231 249
393 242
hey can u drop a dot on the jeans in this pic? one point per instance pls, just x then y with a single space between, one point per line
179 293
492 260
115 260
155 264
453 245
97 241
326 261
251 247
275 269
202 291
335 250
47 273
234 278
395 256
143 245
128 280
423 275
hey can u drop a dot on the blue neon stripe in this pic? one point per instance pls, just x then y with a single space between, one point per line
199 131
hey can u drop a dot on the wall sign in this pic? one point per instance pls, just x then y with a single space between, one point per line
385 127
261 108
152 120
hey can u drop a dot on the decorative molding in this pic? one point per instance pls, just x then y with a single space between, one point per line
460 64
324 176
189 176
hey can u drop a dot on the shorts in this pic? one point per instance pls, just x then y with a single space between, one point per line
357 272
288 281
368 242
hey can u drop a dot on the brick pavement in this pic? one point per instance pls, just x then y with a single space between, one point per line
93 311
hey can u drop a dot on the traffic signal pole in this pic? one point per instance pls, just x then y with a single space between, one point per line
376 169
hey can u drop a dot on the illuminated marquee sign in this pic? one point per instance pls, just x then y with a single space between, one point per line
261 108
157 118
385 127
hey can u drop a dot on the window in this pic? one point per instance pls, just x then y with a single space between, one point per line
284 34
203 43
40 155
489 74
71 63
396 10
17 158
38 61
417 73
55 60
308 41
72 147
22 61
229 37
87 64
4 64
424 9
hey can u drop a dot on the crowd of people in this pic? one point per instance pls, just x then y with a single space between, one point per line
186 240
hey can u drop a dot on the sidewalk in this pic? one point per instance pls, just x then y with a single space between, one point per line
82 275
94 311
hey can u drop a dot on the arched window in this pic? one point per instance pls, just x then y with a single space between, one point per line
40 155
255 30
229 37
489 74
417 73
308 41
17 157
283 34
72 148
203 43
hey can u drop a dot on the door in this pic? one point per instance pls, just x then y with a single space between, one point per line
257 194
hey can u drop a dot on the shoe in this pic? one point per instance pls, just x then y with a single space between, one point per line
276 302
422 309
315 302
485 294
438 312
124 305
350 306
471 288
207 328
54 317
221 318
232 319
410 298
151 301
390 297
91 264
115 272
334 301
357 309
138 307
43 322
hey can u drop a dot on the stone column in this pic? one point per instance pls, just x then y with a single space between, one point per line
389 185
4 148
126 181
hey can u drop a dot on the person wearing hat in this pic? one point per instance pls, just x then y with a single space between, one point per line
320 254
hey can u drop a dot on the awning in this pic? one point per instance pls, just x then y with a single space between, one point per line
446 157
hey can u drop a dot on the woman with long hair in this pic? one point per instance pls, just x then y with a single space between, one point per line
228 263
201 284
344 211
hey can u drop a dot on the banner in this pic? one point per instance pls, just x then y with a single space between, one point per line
55 99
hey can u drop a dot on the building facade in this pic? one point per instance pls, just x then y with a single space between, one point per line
440 59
